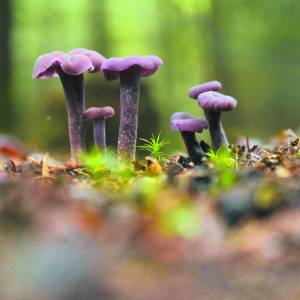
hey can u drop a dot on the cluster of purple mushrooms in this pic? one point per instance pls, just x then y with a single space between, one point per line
71 66
213 103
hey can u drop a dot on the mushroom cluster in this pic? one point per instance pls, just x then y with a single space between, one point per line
69 67
213 103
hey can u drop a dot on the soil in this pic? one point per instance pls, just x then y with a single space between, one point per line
64 236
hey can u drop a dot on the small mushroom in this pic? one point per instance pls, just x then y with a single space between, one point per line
98 116
129 70
70 68
188 126
214 86
213 104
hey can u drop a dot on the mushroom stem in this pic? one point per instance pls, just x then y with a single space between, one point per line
129 97
193 148
99 133
216 130
75 103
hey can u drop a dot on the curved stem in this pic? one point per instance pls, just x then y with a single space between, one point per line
75 103
99 133
193 148
216 130
129 97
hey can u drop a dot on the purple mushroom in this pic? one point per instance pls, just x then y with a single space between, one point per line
129 70
214 86
98 116
70 68
213 104
188 126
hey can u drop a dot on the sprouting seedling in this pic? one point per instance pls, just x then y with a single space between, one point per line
222 158
154 146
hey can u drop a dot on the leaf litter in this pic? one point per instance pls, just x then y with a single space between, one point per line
225 228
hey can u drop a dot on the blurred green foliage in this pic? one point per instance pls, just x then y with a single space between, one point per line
253 47
222 158
223 164
182 220
106 169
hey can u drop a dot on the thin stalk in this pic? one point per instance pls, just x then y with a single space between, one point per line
75 103
99 133
129 97
193 148
216 130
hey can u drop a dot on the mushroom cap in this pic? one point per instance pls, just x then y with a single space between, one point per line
195 91
75 62
94 113
184 122
147 65
216 101
96 58
180 116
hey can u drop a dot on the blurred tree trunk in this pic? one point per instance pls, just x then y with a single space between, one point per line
219 52
5 66
99 26
219 45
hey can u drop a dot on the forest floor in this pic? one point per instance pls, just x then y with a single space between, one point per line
227 229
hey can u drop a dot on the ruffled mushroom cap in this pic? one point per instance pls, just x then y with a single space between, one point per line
213 101
147 65
75 62
96 58
185 122
93 113
214 86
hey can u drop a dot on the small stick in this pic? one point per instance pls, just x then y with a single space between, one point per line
247 144
45 167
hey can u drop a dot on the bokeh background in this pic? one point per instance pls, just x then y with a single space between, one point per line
252 47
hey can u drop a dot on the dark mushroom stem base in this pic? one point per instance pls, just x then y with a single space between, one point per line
75 103
99 133
216 130
129 97
192 146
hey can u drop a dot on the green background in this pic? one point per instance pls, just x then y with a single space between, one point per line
252 47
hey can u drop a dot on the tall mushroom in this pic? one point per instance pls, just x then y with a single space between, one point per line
188 126
70 68
129 69
213 104
214 86
98 116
